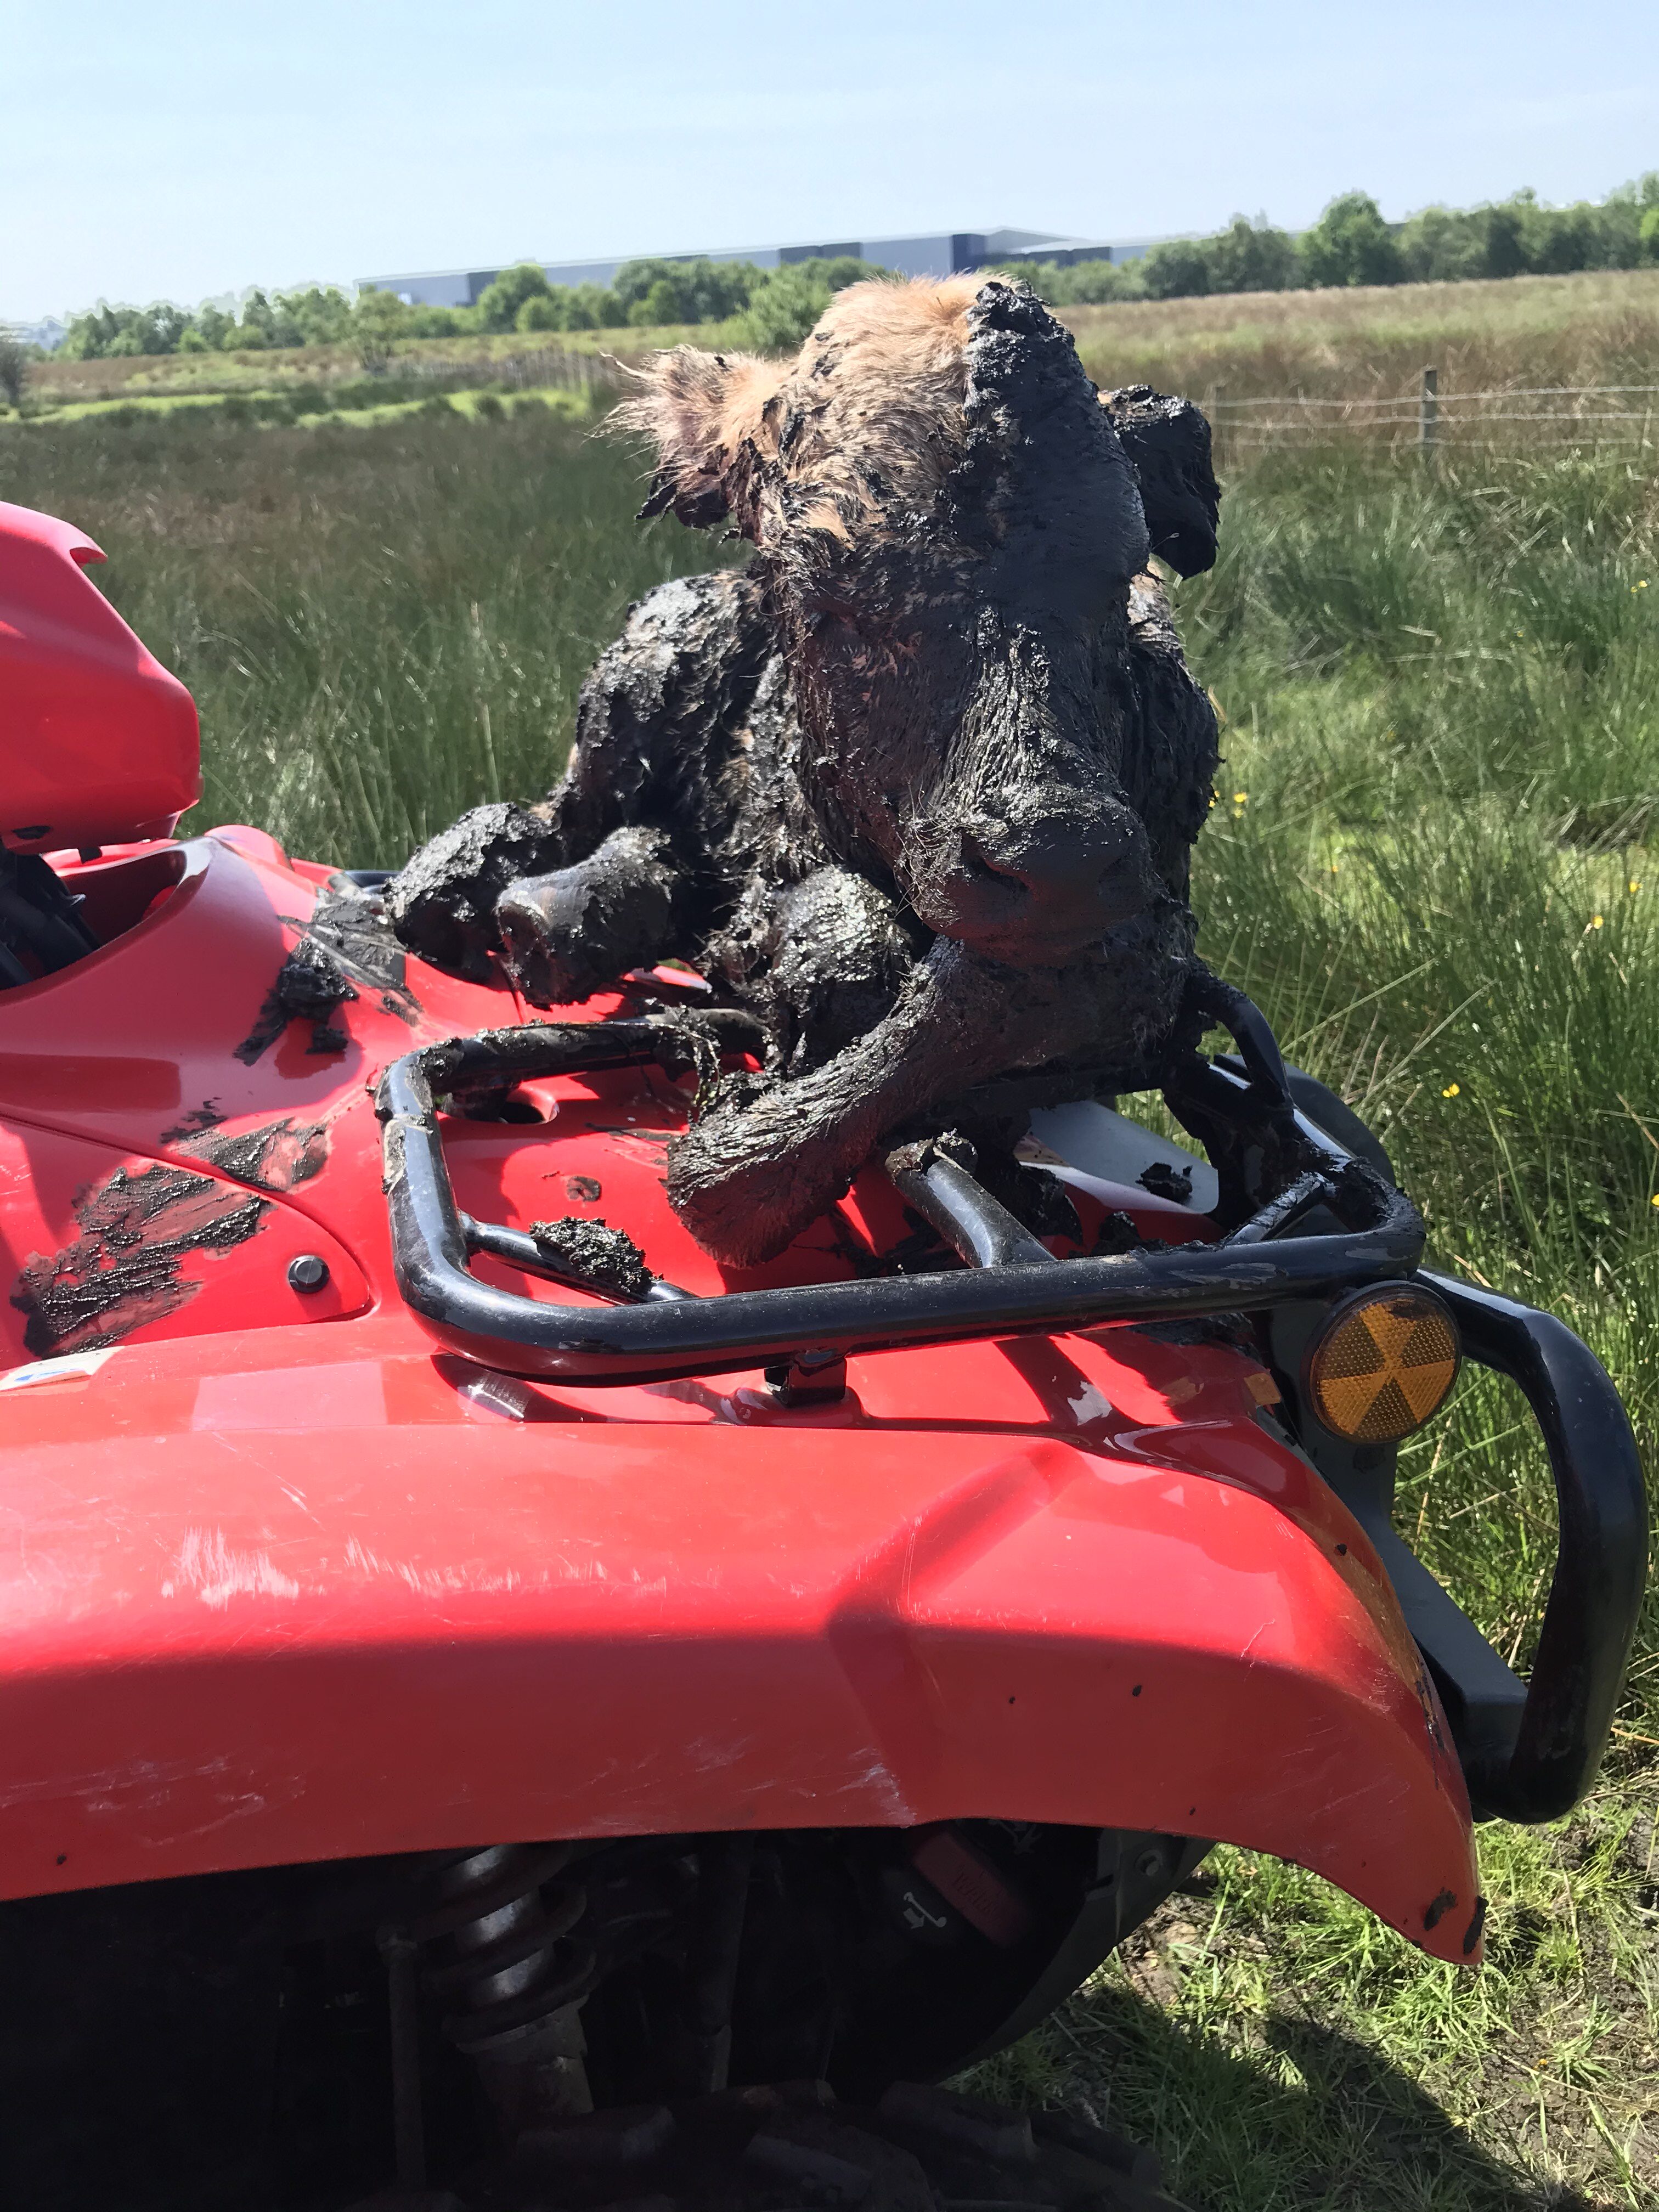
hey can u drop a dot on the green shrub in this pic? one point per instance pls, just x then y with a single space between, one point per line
442 322
317 316
1251 256
499 303
1179 269
1350 244
487 406
656 291
782 311
662 304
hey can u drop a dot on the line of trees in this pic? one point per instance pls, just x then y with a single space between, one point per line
1352 244
768 308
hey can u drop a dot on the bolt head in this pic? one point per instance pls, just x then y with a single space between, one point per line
308 1272
1149 1865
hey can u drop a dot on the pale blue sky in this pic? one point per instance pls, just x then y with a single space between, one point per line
175 149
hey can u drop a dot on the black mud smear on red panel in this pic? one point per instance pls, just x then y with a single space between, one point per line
311 986
347 942
274 1157
205 1116
124 1269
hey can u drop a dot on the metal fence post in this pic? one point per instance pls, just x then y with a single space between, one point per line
1428 415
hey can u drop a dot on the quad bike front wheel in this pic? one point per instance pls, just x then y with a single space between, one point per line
433 2031
783 2149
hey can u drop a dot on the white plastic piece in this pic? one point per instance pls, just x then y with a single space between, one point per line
1110 1148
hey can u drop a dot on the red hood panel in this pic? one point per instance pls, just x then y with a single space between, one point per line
311 1596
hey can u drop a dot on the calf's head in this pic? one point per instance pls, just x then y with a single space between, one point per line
946 526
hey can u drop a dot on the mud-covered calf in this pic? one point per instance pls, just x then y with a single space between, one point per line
920 783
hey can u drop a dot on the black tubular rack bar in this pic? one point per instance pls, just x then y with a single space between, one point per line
1542 1763
1012 1285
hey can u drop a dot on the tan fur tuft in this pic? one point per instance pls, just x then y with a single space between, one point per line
870 408
698 409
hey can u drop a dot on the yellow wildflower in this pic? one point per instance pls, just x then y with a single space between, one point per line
1595 922
1451 1091
1239 798
1633 886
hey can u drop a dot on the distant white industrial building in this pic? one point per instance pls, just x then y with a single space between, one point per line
940 255
48 332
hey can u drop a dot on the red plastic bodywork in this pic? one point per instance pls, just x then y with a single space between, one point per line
98 742
279 1583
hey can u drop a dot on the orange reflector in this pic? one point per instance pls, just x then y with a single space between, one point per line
1383 1364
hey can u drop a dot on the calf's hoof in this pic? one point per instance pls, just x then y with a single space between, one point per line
442 903
545 947
567 935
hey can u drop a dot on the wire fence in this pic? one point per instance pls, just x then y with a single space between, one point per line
1523 419
562 367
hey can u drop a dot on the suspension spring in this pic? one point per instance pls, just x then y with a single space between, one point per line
499 1941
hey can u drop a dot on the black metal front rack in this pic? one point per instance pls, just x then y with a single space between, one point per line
1529 1750
1011 1283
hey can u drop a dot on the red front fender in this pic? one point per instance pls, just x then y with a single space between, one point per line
302 1595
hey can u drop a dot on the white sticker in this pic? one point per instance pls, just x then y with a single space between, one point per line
71 1366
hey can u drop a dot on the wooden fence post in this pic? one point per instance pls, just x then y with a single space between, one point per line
1218 436
1428 417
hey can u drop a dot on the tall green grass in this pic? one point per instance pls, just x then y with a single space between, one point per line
1429 862
381 626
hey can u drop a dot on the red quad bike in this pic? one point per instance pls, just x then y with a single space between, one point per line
484 1712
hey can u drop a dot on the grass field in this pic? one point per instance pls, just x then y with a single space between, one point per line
1429 862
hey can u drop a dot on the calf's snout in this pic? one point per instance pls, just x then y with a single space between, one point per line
1039 883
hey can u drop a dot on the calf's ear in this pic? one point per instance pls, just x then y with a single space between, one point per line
705 416
1168 440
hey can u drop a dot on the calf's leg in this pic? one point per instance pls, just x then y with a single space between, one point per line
751 1174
